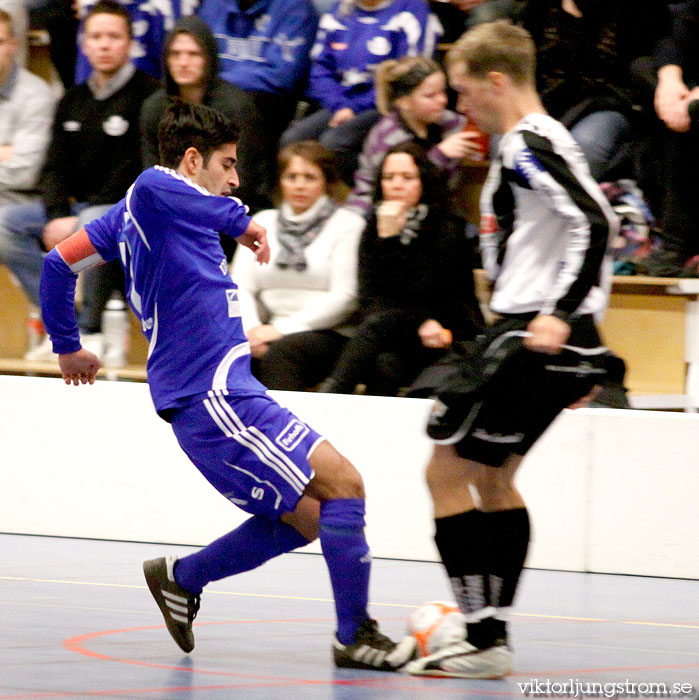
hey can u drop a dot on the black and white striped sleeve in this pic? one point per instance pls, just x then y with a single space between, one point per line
574 196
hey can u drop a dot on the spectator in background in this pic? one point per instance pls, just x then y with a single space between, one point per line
411 95
20 20
677 107
263 48
416 291
150 23
93 157
295 310
352 40
27 104
585 49
190 68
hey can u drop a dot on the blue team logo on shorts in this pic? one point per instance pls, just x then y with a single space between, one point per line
292 435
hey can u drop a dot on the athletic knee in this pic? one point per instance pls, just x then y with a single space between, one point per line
494 486
335 476
445 470
348 482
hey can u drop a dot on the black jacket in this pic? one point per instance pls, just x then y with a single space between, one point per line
94 154
219 94
431 276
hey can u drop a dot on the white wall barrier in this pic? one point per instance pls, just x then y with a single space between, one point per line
608 491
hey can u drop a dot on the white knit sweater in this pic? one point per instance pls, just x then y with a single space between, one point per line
320 297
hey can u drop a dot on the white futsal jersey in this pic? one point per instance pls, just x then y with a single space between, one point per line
546 226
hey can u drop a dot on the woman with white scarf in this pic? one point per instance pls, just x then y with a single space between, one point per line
295 308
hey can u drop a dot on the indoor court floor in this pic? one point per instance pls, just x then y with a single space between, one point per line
77 621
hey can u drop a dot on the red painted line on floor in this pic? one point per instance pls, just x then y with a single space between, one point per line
77 645
387 681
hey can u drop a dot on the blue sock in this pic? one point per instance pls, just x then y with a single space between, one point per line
347 555
256 541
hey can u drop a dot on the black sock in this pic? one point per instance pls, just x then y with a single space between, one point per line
461 542
507 533
483 554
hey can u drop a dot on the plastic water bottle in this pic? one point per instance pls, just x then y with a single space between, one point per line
115 330
35 330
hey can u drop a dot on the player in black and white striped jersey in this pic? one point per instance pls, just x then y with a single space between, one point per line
545 233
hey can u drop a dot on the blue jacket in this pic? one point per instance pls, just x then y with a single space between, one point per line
349 47
265 48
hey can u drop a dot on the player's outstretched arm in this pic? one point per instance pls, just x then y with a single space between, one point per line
79 367
57 291
255 238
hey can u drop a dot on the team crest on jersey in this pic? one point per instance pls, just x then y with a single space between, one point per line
379 46
292 435
116 125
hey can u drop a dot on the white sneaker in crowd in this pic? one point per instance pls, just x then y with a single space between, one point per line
93 342
43 352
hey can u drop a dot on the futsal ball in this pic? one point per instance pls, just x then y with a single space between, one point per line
436 625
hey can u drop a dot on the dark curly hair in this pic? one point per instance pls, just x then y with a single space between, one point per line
434 180
185 124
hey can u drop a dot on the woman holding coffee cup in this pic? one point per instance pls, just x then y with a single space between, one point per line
411 96
416 292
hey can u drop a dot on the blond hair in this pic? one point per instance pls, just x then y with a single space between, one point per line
496 46
398 77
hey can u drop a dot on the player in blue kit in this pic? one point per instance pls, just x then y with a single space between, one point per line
257 454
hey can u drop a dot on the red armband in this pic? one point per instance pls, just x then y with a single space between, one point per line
78 252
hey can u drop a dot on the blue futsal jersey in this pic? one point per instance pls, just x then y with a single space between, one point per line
166 234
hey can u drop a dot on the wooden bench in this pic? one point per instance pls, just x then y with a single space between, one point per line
14 309
653 323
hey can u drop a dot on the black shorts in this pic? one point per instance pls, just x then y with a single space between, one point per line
498 398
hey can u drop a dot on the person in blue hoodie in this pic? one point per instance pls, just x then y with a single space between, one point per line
263 51
353 38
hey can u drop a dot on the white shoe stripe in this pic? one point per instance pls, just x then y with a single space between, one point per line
360 653
177 608
176 598
179 618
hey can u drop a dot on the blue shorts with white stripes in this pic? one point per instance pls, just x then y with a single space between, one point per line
253 451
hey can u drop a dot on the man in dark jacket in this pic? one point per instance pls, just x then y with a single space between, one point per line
93 158
190 69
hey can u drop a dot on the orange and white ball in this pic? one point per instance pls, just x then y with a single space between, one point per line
435 625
